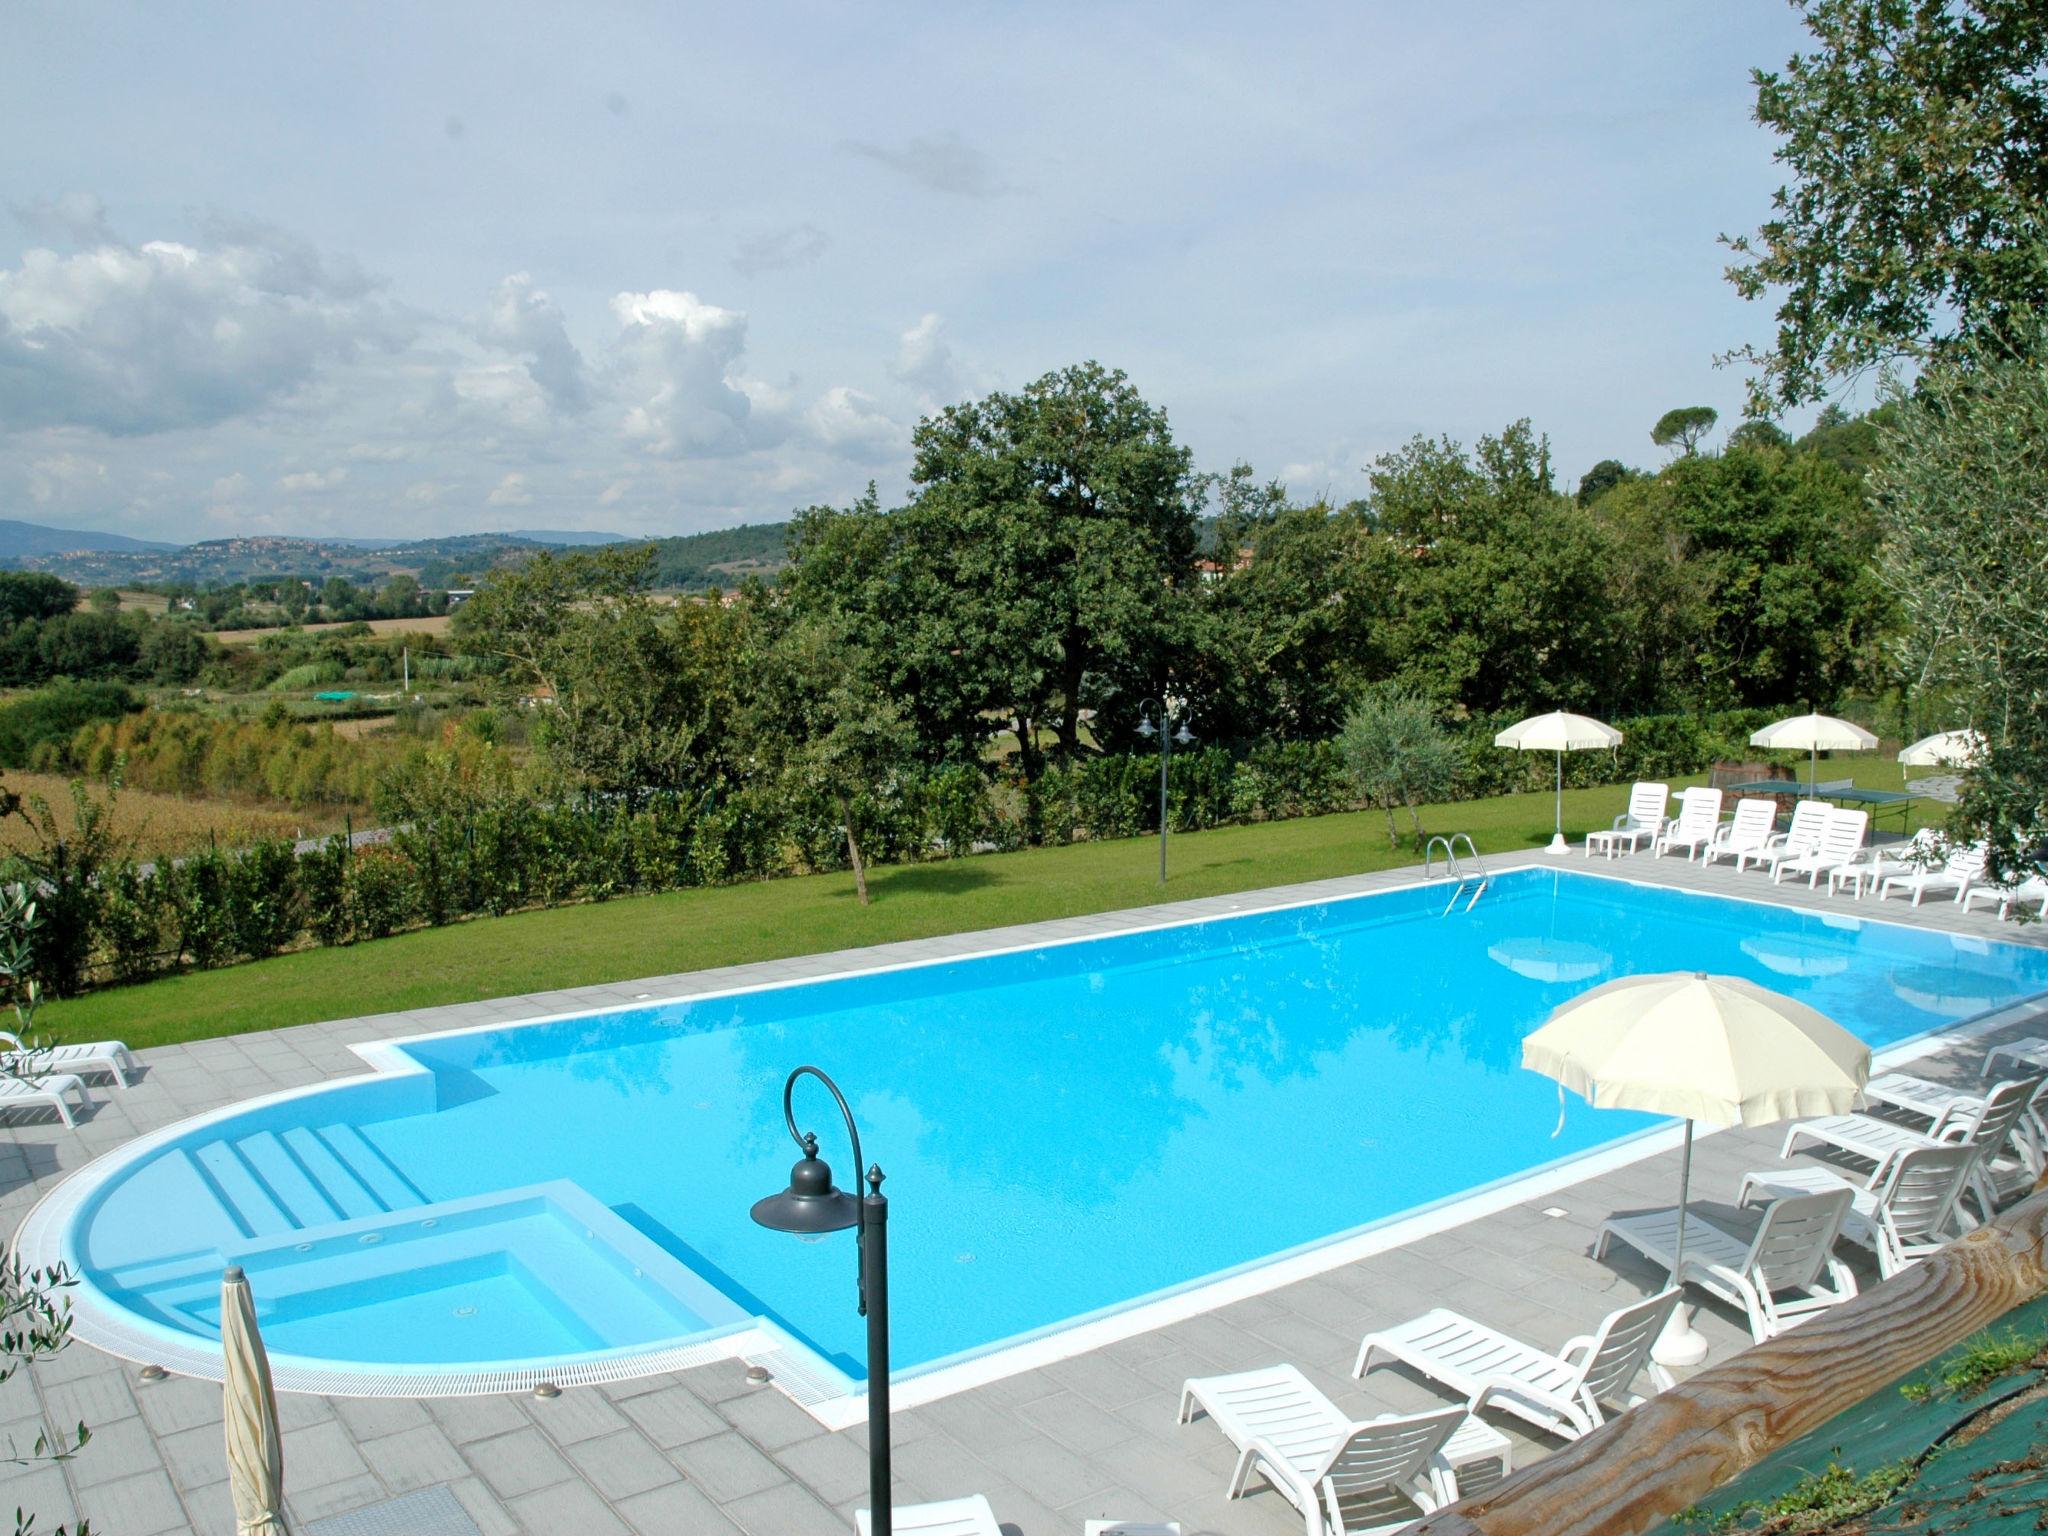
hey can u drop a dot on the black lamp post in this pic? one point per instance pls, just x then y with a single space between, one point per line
1167 714
811 1207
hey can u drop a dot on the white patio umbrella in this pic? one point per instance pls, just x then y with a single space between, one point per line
249 1404
1558 732
1944 749
1700 1047
1815 734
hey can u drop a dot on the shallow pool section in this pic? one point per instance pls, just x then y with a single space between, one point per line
1067 1130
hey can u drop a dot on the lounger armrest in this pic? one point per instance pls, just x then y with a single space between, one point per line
1573 1345
1491 1387
1258 1452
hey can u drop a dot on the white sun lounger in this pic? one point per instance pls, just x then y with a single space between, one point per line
1880 864
1994 1131
1750 832
2030 888
108 1056
951 1517
1963 868
1322 1462
1699 818
1644 818
1906 1210
1563 1393
1841 839
1801 837
48 1091
1131 1528
1792 1251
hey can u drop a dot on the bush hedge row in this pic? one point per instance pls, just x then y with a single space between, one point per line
126 922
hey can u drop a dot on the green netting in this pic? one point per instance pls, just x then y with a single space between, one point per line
1982 1458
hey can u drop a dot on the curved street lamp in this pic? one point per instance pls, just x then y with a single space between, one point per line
812 1207
1169 711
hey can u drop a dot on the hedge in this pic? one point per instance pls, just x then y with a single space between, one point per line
129 922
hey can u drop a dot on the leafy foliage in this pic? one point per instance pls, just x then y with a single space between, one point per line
1916 136
1962 484
1397 754
1684 428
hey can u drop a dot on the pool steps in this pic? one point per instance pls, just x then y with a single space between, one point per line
268 1184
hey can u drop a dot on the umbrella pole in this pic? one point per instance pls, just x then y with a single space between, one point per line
1681 1343
1557 842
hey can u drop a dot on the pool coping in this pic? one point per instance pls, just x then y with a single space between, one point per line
800 1373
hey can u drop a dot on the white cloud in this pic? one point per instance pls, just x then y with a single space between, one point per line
131 340
924 361
230 487
422 493
311 481
854 426
524 320
511 491
614 493
63 476
678 361
73 218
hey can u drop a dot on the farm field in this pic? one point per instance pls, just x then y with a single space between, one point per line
161 826
429 624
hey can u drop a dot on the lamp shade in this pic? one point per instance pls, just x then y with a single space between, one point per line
811 1205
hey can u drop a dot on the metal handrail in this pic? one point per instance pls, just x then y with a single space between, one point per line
1454 868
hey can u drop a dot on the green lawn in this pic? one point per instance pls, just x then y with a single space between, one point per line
693 930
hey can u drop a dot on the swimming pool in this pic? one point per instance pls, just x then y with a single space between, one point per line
1067 1130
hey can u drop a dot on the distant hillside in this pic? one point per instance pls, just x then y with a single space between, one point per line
567 537
19 540
721 558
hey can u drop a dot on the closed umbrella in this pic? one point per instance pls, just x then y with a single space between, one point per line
1944 749
1815 734
249 1404
1558 732
1700 1047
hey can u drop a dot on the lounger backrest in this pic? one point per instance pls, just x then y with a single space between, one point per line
1389 1452
1809 820
1919 1194
1754 822
1843 836
1622 1346
1792 1244
1647 804
2000 1116
1967 863
1699 812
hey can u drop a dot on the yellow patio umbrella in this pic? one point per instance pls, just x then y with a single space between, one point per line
1559 732
249 1405
1698 1047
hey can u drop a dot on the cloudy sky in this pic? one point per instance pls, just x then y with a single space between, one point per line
398 269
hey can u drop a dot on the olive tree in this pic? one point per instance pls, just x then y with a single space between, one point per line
1396 752
1961 482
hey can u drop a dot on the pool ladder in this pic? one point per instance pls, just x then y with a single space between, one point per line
1468 872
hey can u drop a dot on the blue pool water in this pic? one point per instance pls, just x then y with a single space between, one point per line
1065 1129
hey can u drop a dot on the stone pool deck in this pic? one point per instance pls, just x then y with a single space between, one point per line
706 1452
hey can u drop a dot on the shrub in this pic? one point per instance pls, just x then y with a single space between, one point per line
381 890
323 891
263 899
136 923
54 714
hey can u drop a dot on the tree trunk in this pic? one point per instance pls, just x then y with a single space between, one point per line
1414 815
1393 831
860 874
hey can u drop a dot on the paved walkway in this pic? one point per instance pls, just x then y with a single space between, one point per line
706 1452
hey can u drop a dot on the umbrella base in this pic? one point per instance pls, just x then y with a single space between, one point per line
1680 1343
1558 845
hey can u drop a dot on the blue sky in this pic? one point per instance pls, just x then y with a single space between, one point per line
387 270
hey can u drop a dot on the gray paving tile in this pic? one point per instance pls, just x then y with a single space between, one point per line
620 1465
566 1507
414 1458
673 1416
142 1505
726 1466
518 1463
677 1508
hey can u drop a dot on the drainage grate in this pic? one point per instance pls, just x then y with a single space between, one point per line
429 1512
